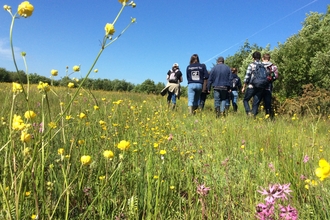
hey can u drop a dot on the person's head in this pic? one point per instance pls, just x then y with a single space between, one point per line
220 60
175 66
256 55
194 59
266 57
234 70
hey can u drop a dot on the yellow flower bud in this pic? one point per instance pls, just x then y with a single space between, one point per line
30 115
109 29
96 70
76 68
60 151
25 9
23 54
7 7
54 72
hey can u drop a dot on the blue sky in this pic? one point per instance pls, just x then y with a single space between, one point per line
64 33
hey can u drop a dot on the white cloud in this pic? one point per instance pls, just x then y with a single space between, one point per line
5 50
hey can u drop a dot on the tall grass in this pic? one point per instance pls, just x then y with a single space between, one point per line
169 156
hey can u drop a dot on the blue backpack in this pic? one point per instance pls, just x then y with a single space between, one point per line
259 76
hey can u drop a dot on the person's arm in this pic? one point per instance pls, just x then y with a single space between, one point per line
247 77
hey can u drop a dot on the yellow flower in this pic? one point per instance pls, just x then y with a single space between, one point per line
172 187
34 216
76 68
123 1
123 145
25 137
28 193
18 123
54 72
43 87
52 125
68 117
162 152
109 29
71 85
96 107
324 170
104 99
82 115
156 145
30 115
108 154
17 88
26 151
96 70
156 177
25 9
60 151
86 160
101 177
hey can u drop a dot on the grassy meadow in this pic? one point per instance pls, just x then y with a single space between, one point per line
111 155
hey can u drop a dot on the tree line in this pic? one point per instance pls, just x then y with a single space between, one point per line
302 60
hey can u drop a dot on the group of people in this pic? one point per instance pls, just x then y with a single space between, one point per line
225 83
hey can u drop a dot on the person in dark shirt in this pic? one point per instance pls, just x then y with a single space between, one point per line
196 74
219 79
236 86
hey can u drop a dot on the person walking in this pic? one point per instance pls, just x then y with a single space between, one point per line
174 78
219 79
273 75
196 74
235 87
252 90
205 92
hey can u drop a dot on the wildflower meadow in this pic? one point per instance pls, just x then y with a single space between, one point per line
72 153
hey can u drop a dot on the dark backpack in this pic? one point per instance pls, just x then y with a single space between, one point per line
259 76
173 78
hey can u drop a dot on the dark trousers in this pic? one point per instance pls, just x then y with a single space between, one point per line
267 97
257 94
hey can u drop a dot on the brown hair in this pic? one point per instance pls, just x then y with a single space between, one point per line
234 70
266 56
194 59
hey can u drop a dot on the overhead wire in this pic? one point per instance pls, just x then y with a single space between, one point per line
262 29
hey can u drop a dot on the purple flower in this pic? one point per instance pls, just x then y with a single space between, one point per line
276 191
306 159
265 211
203 190
288 213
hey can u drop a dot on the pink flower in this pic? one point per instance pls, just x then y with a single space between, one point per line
288 213
306 159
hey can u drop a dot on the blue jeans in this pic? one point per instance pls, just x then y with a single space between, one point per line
194 92
257 94
233 97
171 96
218 102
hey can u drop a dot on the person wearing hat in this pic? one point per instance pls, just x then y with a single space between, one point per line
174 78
219 79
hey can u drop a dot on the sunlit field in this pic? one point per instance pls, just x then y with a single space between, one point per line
126 156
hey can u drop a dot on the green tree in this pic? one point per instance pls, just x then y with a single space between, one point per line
304 57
